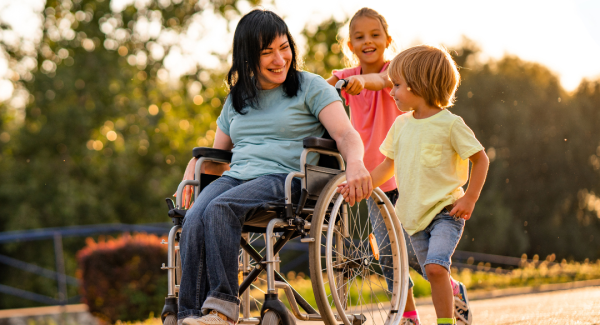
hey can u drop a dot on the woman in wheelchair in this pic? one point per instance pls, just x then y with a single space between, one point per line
271 107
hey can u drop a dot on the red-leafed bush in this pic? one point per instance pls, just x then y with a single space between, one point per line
121 277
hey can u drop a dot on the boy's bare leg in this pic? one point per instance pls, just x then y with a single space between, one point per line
441 290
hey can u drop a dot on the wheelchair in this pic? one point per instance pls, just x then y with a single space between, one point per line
346 269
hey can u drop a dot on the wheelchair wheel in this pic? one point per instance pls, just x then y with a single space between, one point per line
270 318
170 320
358 260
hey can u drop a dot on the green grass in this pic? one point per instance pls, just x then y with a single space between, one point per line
531 274
150 321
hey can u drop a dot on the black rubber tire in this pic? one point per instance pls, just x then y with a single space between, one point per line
270 318
170 320
178 268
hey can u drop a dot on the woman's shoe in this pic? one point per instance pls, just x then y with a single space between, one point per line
212 318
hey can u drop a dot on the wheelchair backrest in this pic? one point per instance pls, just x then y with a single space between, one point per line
330 164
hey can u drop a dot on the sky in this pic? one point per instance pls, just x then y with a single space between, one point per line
562 35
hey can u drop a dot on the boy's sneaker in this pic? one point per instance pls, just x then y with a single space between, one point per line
212 318
409 321
462 312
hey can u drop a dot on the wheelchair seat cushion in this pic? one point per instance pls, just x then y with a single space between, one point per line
268 211
264 214
258 221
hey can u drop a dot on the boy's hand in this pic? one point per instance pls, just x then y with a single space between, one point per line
463 208
344 190
355 85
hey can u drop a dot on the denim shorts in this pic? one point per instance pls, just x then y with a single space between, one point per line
436 243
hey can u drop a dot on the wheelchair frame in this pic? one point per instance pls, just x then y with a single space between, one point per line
314 179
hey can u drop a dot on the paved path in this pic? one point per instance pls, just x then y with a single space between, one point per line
577 306
572 307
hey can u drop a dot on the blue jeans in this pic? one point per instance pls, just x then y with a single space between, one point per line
210 241
436 243
384 241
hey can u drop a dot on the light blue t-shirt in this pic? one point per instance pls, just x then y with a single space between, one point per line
268 139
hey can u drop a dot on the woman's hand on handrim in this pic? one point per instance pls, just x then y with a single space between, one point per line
359 185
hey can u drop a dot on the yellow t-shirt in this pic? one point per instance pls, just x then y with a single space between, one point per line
430 164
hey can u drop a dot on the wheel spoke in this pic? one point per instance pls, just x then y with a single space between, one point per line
379 304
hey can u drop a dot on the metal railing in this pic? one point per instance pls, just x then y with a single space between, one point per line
56 234
461 259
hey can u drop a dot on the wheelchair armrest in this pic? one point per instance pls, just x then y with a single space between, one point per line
212 153
319 143
177 213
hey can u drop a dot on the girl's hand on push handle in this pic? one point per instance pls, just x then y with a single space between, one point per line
354 85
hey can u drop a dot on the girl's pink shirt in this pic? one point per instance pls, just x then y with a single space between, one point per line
372 114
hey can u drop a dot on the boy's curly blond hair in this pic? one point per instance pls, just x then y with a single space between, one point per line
429 71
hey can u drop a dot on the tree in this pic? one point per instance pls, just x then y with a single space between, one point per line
106 130
323 50
540 167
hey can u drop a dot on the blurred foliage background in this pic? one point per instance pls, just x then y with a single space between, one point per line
100 132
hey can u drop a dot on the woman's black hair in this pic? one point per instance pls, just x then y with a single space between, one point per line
254 33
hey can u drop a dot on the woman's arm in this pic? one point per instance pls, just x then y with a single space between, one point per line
350 145
333 80
223 142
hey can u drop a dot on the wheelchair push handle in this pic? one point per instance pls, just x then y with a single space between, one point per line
341 84
170 204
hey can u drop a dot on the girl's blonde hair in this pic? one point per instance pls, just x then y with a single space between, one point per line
350 59
429 71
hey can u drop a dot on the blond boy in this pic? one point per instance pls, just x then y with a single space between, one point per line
428 150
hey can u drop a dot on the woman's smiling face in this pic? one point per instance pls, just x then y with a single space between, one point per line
275 62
